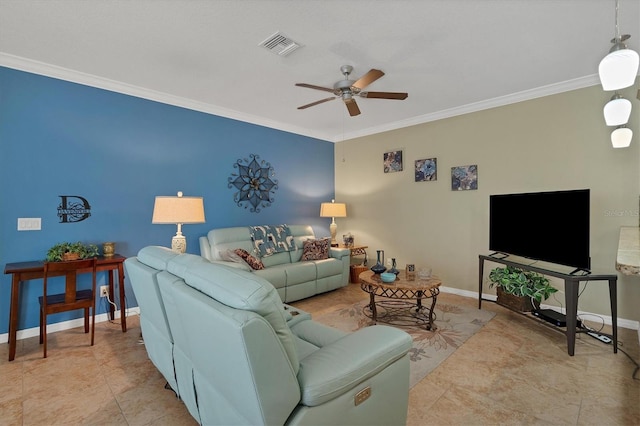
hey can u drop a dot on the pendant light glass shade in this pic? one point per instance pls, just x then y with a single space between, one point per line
619 68
621 137
617 111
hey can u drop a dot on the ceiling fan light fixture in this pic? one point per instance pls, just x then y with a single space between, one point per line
617 111
621 137
347 89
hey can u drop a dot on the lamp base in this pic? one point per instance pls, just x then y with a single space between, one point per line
333 229
179 243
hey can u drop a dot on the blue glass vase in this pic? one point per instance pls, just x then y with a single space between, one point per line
393 269
379 267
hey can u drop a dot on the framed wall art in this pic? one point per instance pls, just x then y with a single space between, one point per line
426 170
392 161
464 178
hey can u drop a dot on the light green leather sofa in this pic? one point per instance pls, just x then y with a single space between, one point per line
239 356
293 279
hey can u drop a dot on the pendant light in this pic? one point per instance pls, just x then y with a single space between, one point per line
617 111
617 71
619 68
621 137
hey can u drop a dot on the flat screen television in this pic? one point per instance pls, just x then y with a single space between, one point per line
547 226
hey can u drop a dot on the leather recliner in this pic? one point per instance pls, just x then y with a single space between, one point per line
250 359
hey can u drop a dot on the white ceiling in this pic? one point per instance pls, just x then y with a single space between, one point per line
451 56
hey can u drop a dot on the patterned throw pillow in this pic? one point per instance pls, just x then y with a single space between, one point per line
271 239
252 261
316 249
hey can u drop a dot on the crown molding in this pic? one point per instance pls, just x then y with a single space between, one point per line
48 70
61 73
539 92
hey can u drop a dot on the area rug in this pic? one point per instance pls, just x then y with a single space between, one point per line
455 324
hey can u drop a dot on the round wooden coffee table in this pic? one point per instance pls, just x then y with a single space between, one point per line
402 299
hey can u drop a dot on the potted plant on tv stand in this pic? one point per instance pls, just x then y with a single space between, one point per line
520 290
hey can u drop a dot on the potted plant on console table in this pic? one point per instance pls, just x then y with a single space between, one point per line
71 251
520 290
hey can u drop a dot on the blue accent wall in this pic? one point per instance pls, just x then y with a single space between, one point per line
119 152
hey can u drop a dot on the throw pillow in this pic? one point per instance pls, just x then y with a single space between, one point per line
232 256
252 261
271 239
316 249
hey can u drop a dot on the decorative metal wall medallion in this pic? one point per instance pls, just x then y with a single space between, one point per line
254 183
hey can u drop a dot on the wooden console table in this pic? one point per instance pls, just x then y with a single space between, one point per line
571 284
33 270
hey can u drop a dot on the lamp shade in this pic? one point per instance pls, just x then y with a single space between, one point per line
333 209
178 209
621 137
618 69
617 111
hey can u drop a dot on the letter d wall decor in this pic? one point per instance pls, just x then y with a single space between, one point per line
73 208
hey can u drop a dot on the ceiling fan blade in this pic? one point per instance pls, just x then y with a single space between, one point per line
384 95
316 103
352 106
311 86
368 78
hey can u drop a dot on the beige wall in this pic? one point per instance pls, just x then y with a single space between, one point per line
552 143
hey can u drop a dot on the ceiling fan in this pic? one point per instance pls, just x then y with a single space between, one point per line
347 89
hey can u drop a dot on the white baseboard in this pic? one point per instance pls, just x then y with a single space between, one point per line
65 325
625 323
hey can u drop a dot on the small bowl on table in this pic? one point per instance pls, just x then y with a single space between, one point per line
387 277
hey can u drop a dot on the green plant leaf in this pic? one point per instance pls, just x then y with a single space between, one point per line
521 283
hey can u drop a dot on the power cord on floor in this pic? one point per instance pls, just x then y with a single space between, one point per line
126 314
109 302
600 333
633 375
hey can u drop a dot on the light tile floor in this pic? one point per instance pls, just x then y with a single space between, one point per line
515 370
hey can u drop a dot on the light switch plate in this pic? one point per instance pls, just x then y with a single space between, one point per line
29 224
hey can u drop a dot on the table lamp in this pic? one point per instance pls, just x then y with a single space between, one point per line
333 210
178 210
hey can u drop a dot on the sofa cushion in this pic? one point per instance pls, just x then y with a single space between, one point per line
316 249
253 262
156 257
240 290
276 275
328 267
271 239
276 259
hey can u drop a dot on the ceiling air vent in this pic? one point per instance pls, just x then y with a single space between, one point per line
279 44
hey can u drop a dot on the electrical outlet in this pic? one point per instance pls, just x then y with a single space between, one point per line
104 291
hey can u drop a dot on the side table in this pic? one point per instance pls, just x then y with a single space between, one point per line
355 270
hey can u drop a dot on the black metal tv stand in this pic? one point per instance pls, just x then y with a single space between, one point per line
571 284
